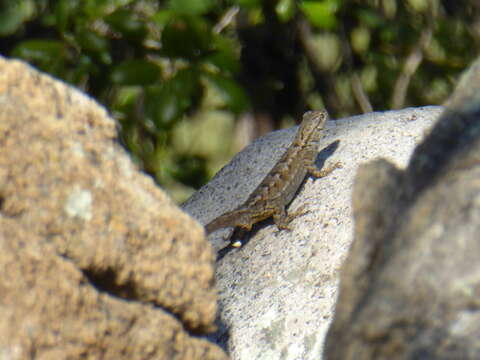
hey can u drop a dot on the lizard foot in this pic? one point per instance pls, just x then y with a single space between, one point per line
324 172
283 223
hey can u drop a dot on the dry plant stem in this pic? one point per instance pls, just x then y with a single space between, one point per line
226 19
359 92
409 68
324 80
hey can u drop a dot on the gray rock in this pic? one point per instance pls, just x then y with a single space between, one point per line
410 285
277 293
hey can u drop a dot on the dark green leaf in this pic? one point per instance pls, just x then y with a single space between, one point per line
186 81
64 11
371 18
248 3
388 34
163 17
40 50
83 69
136 72
100 8
234 96
188 38
167 103
190 7
225 56
92 41
13 13
127 23
321 13
167 109
95 44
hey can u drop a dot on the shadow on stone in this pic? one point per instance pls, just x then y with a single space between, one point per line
410 285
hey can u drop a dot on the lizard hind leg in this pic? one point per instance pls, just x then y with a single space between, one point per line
282 220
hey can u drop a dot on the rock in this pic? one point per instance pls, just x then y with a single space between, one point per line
96 261
277 292
410 285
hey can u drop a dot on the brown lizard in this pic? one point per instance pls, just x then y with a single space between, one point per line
279 187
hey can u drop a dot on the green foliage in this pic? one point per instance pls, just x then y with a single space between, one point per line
191 7
321 13
167 102
40 51
136 72
165 68
231 93
13 13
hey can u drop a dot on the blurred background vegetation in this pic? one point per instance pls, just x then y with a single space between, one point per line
191 82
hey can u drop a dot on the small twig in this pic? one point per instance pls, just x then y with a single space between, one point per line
359 92
324 80
409 68
226 19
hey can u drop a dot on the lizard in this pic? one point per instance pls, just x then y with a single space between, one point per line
280 185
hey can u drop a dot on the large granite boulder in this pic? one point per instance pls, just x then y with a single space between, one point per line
410 286
278 292
96 261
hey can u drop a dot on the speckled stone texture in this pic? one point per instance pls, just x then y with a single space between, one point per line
97 262
410 286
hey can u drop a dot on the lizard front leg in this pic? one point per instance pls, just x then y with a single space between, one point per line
315 172
281 219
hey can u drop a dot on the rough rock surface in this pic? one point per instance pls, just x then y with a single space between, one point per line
277 293
96 261
410 286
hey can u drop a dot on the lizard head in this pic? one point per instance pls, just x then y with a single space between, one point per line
311 128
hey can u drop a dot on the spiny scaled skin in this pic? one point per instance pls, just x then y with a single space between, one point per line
280 185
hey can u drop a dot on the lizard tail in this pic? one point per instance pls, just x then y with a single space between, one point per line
228 219
218 223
